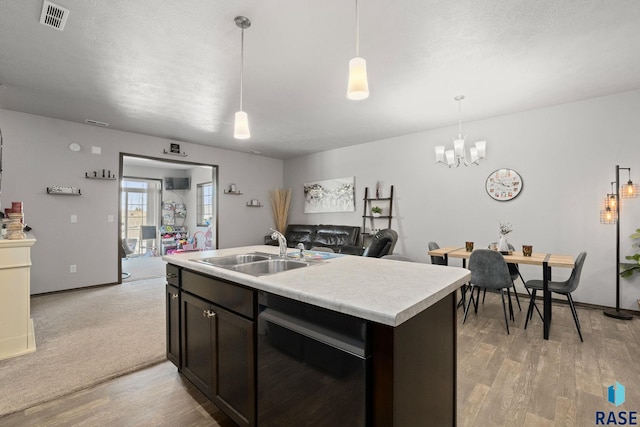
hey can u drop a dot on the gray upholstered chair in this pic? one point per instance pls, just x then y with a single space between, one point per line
489 271
397 258
381 244
438 260
515 273
563 288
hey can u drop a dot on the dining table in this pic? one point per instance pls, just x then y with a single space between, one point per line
545 260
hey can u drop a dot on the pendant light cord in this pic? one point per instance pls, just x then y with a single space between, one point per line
241 64
459 118
357 30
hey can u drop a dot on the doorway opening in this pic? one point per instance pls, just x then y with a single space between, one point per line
166 207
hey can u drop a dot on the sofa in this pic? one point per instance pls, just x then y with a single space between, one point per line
340 238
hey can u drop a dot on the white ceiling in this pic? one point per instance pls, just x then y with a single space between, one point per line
172 69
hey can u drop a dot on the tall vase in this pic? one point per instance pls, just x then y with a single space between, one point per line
503 245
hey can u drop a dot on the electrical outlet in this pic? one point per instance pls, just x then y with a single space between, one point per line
72 268
74 219
110 218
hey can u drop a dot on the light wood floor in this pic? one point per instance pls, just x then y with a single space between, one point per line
503 380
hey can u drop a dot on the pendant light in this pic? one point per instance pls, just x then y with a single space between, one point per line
241 125
358 87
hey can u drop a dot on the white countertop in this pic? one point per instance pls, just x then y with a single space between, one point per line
383 291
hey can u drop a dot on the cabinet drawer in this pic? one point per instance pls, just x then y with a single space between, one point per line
173 275
227 295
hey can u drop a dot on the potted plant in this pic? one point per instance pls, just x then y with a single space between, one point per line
628 268
376 211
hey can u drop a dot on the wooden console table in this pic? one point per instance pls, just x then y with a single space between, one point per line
16 327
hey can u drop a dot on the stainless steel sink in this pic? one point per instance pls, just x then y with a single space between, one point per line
231 260
271 266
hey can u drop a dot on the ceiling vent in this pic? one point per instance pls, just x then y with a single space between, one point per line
96 123
53 16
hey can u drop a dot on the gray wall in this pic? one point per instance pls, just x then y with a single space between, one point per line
36 155
566 155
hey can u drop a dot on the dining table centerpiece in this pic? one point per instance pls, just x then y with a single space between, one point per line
503 245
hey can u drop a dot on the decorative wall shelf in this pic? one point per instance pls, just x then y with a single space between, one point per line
112 178
233 193
369 202
63 191
97 175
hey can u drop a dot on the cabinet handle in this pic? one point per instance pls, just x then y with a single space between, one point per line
174 296
209 313
171 276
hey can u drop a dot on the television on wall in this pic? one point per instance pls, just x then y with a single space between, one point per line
177 183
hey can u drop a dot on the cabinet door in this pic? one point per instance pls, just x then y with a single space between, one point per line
198 338
235 391
173 325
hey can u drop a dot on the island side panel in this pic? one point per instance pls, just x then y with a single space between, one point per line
415 369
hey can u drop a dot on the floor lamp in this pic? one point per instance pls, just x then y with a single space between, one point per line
629 190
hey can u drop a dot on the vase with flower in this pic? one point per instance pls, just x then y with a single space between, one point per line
503 245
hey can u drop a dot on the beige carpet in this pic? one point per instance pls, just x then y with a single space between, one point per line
86 337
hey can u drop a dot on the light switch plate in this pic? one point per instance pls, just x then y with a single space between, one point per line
96 150
74 219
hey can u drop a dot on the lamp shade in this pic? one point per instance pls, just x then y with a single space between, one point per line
450 157
458 147
629 190
608 216
474 154
241 126
358 84
440 154
481 146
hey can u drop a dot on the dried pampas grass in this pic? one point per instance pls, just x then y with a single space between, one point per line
280 200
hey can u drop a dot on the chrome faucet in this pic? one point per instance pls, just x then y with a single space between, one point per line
282 242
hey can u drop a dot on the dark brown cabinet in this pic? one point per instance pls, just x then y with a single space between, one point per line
173 324
218 344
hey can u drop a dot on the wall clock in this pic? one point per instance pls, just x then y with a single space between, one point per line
504 185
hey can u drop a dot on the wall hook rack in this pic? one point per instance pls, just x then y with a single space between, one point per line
179 154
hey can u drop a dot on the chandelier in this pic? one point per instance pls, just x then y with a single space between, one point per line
458 156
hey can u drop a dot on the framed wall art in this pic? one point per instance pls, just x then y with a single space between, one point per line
332 195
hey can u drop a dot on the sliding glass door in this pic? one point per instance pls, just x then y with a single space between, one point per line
140 213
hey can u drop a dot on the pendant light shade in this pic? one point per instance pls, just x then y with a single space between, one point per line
241 124
629 190
358 86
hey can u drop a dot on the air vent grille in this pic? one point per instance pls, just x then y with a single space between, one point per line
53 16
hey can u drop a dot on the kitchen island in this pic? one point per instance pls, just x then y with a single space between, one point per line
398 318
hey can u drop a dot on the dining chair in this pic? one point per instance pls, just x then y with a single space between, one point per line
563 288
489 271
514 271
439 260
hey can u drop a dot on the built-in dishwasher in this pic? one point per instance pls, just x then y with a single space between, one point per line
313 365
